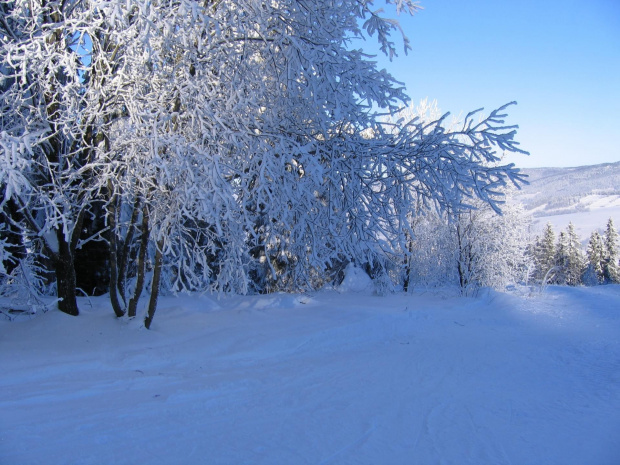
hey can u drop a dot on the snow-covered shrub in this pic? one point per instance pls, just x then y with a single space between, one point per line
25 290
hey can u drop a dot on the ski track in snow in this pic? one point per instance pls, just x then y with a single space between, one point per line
324 379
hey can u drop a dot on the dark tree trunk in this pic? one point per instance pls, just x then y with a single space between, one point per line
116 306
123 254
65 277
119 254
465 259
144 243
92 259
407 264
155 285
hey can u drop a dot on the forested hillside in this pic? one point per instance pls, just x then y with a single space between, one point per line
587 196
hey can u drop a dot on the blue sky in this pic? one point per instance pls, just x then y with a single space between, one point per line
560 60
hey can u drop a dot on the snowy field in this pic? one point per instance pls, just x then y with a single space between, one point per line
328 378
597 210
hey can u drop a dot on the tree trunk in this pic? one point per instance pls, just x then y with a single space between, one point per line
155 285
144 243
407 263
123 257
65 277
463 276
116 306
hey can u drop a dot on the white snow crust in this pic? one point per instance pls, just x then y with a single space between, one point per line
327 378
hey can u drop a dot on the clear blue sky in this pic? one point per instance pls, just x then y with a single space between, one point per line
560 60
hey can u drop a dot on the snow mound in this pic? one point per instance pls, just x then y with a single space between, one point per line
355 280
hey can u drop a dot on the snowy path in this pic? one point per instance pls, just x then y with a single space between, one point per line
333 379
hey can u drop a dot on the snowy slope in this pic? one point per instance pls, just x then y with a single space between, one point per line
332 378
587 196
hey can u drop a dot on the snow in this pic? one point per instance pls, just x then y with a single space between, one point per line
602 201
589 214
355 280
531 376
585 222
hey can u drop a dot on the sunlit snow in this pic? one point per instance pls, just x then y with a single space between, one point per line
328 378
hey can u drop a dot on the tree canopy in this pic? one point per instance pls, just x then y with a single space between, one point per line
232 145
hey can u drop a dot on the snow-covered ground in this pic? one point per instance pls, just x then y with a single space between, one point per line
589 214
328 378
584 222
587 196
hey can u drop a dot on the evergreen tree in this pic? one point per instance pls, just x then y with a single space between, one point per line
611 272
544 253
561 259
574 263
596 257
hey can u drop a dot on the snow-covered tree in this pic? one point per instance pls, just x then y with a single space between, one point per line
611 267
596 256
561 257
487 248
12 247
544 254
232 118
430 255
472 249
569 258
229 142
47 128
491 247
290 183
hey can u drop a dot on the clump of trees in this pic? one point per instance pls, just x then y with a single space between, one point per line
564 262
471 249
471 246
220 146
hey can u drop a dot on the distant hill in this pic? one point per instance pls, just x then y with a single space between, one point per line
587 196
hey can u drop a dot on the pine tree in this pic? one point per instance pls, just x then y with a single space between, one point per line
574 258
596 258
544 253
561 259
611 270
